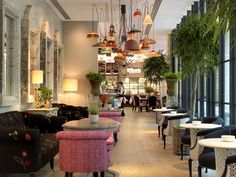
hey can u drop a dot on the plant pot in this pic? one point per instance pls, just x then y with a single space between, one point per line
94 118
95 87
109 106
171 87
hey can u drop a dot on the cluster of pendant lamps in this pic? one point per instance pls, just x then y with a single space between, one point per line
126 38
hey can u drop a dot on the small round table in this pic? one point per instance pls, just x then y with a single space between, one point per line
159 117
195 149
222 151
85 124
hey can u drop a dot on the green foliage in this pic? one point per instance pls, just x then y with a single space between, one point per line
223 12
97 77
94 109
46 94
154 68
110 100
171 75
149 89
194 47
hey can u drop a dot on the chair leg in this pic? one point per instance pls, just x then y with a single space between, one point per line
115 137
181 151
190 167
103 174
159 130
199 169
95 174
52 163
206 170
164 140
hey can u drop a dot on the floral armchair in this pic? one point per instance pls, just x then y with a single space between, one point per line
27 141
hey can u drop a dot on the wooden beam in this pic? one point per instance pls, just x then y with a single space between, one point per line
155 9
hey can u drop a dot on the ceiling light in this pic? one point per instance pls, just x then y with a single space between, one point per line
147 20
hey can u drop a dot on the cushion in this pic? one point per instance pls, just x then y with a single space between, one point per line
207 160
13 119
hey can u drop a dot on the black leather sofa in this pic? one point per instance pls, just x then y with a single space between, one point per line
27 141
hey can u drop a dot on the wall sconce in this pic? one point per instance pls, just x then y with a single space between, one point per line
70 85
37 78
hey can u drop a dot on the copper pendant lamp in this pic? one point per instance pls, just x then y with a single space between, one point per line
93 34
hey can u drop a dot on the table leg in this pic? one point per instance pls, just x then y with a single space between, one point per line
221 154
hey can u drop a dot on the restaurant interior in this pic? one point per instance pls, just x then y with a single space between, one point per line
122 88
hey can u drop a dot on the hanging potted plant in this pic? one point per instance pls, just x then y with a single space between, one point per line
171 81
196 50
95 80
148 90
94 112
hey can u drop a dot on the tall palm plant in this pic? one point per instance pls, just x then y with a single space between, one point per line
195 49
223 11
154 68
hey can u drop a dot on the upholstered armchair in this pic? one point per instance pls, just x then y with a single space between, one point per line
185 139
83 151
207 157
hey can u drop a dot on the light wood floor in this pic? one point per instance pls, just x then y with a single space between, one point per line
138 153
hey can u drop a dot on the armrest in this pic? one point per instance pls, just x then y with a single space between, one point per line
56 123
19 150
205 132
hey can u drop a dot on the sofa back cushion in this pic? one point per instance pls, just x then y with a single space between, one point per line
12 119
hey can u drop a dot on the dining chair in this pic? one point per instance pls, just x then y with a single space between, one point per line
152 102
206 158
83 151
230 166
169 118
185 139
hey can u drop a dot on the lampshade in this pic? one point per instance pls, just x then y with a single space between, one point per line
92 35
137 13
132 45
147 20
70 85
145 46
148 40
37 76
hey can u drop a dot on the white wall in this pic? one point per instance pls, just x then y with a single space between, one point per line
40 12
79 59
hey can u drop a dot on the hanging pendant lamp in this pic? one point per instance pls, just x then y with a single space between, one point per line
137 13
147 20
93 34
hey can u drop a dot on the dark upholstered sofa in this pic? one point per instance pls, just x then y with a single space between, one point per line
27 141
71 112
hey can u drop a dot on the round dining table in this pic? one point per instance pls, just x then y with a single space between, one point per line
85 124
223 149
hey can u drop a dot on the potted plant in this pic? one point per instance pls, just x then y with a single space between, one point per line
95 80
94 112
154 68
109 103
171 81
46 96
196 50
148 90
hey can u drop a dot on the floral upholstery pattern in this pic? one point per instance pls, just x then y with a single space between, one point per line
83 151
25 144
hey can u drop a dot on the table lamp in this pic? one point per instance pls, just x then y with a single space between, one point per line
37 79
70 85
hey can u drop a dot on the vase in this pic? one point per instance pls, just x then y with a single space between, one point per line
47 104
94 118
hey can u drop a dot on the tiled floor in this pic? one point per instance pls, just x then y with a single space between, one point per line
138 153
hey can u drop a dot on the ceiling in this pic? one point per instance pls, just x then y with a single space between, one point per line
168 15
